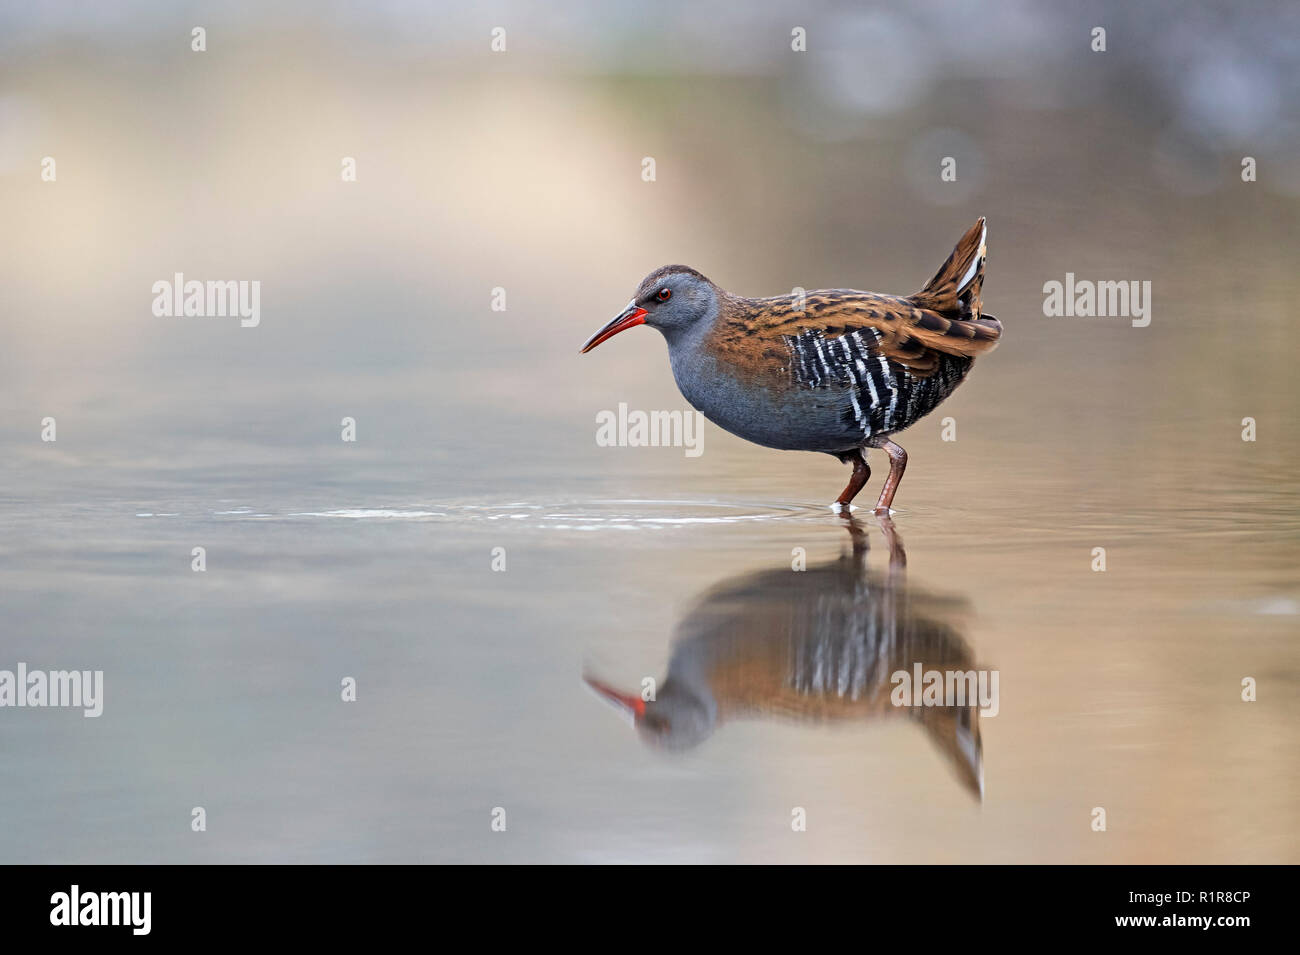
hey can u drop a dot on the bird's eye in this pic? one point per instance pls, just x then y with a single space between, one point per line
664 294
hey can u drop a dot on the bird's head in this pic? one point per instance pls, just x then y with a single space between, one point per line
671 299
674 721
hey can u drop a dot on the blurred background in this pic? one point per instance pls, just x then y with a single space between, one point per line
521 170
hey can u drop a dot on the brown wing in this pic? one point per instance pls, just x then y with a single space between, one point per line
944 317
758 330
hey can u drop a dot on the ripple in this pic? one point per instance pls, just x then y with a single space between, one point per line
567 516
361 514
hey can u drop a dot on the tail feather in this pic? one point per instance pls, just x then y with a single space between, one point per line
954 291
959 325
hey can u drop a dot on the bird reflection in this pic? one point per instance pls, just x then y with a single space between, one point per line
812 646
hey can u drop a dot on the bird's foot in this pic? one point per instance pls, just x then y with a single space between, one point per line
840 508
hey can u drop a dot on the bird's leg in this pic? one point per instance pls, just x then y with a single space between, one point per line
897 465
860 475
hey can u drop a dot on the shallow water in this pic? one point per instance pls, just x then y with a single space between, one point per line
1118 689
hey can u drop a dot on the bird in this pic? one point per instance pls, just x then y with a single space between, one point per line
837 371
819 647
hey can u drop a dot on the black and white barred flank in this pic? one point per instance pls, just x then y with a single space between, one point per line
884 397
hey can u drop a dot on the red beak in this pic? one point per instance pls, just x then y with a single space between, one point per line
629 317
632 707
